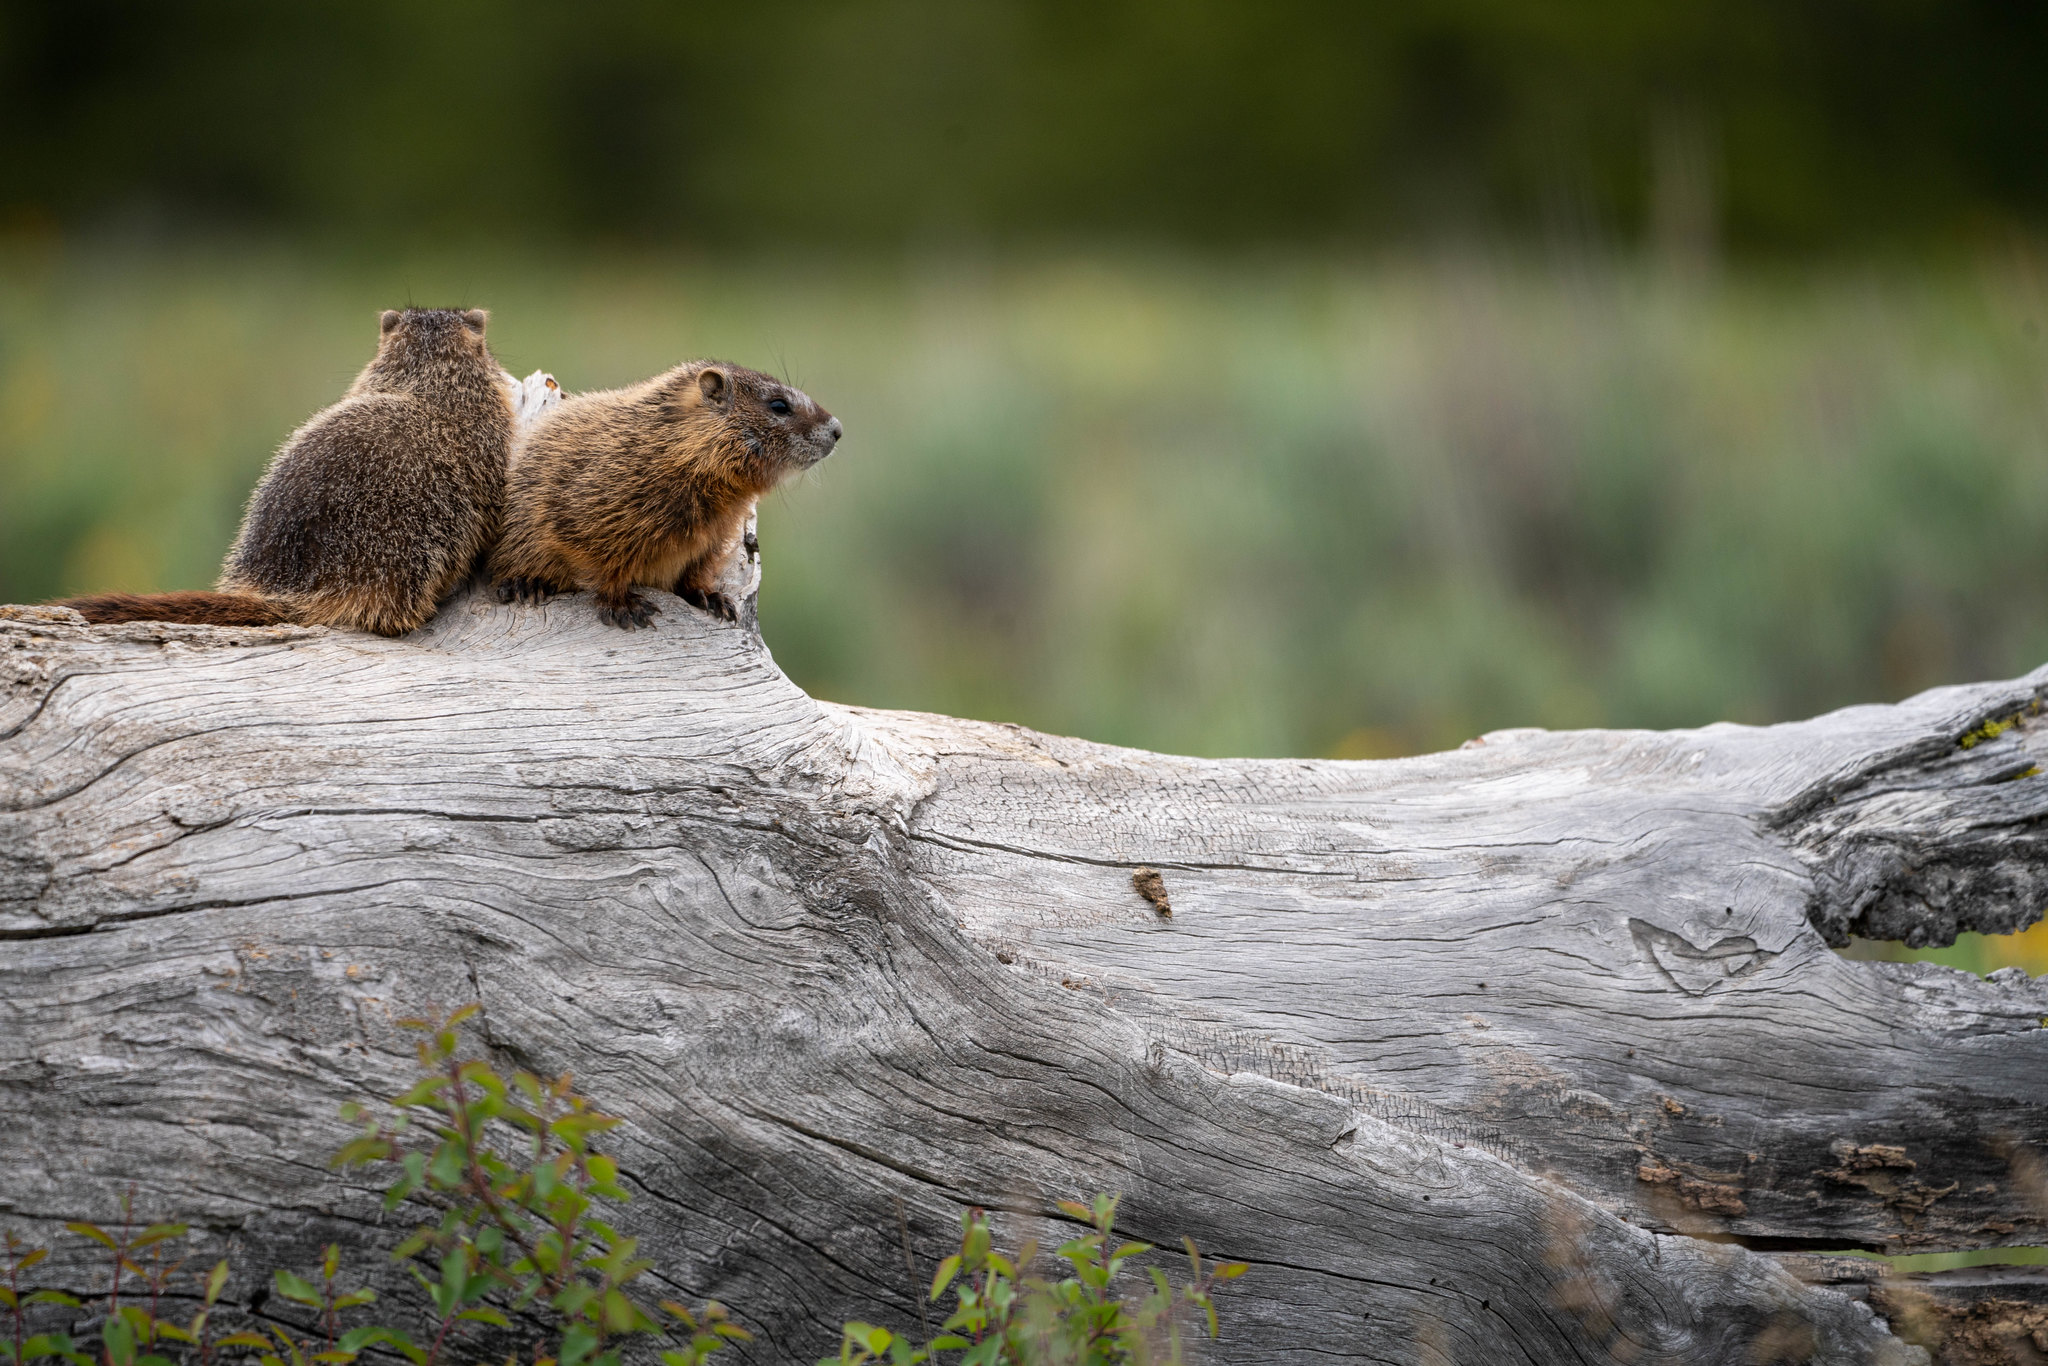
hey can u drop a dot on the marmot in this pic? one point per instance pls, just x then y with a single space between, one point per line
650 486
379 506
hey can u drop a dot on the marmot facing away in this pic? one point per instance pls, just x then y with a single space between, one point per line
650 486
378 507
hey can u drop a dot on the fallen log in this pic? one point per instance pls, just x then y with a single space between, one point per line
1535 1051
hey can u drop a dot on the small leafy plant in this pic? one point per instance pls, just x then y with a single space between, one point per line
521 1244
1005 1317
508 1163
21 1346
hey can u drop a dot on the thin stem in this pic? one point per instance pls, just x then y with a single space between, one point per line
121 1249
479 1180
434 1352
14 1284
157 1277
328 1313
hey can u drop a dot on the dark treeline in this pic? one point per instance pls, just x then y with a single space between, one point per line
1768 124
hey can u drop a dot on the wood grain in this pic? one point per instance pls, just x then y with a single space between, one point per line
1531 1052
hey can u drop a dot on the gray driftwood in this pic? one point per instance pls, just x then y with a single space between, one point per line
1531 1052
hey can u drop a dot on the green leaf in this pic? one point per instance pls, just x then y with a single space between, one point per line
118 1338
243 1340
156 1233
356 1297
867 1337
361 1152
216 1280
455 1270
451 1160
573 1298
943 1277
485 1315
92 1231
34 1256
355 1339
50 1297
46 1345
482 1074
296 1290
578 1342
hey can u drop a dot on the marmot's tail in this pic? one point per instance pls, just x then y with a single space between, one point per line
202 609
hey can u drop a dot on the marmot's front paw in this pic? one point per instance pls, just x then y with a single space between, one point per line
525 590
632 612
712 601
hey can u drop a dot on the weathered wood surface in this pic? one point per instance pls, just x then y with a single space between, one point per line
1530 1052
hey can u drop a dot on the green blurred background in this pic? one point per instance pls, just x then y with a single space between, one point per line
1295 378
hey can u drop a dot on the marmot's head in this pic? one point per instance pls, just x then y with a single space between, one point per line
418 341
776 428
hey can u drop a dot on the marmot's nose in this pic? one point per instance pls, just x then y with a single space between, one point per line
834 430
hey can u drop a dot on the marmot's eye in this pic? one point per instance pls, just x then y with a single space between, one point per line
779 407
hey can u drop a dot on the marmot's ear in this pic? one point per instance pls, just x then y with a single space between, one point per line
388 321
476 318
717 388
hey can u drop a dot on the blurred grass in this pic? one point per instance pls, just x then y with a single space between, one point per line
1202 506
1214 506
1218 506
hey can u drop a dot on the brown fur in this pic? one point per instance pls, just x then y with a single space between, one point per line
206 609
650 486
378 507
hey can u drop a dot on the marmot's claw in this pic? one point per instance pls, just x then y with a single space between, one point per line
526 590
631 614
717 604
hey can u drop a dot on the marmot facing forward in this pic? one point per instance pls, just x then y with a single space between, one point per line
650 486
379 506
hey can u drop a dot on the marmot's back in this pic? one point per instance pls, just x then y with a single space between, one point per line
379 506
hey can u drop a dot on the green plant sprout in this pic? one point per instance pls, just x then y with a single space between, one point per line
1004 1317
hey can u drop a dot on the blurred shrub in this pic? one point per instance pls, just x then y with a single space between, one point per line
1204 505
